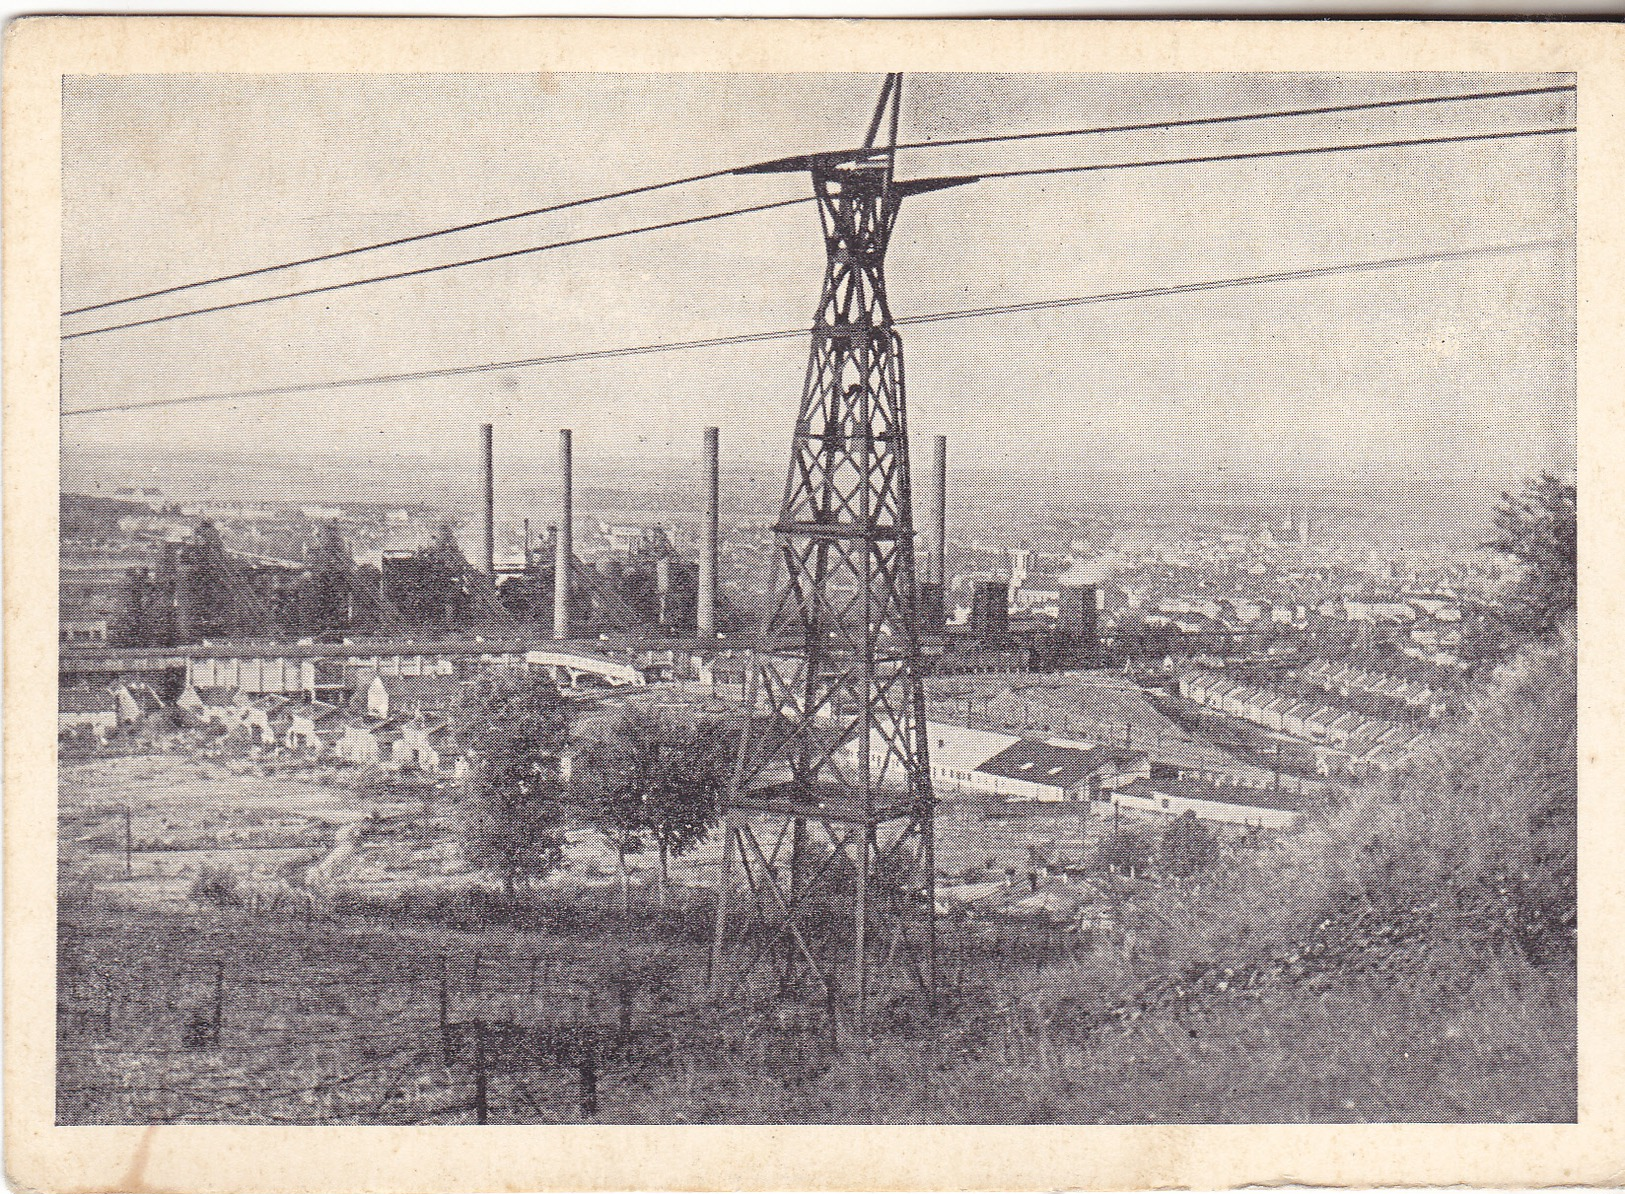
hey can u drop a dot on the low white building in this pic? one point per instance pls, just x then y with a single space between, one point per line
82 709
957 751
1042 771
1265 808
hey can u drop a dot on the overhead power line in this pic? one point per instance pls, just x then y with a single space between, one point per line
401 240
1148 126
1324 271
1195 121
1308 151
1096 167
435 269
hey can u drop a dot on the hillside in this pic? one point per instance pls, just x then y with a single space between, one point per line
1408 955
89 515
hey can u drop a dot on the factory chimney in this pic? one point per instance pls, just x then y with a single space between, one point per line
705 615
990 610
564 544
934 586
488 532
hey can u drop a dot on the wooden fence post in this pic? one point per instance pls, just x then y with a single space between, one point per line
445 1008
587 1064
219 997
481 1110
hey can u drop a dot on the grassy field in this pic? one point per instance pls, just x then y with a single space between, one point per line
224 1017
270 824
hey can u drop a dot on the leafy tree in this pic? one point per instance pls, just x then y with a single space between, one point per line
514 728
158 619
644 774
1537 528
1188 846
204 599
1127 849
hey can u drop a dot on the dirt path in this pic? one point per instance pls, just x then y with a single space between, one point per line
345 843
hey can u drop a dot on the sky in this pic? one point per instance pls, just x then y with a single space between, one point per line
1462 370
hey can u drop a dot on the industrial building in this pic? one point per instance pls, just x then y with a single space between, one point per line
1231 804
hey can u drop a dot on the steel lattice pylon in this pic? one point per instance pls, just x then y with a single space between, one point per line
834 737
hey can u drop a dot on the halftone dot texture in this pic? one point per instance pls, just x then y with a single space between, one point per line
1288 350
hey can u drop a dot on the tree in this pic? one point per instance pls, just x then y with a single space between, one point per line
158 619
1537 528
645 774
514 728
1188 846
1125 850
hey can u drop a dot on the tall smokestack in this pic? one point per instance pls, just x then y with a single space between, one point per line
934 590
938 564
563 559
705 614
488 530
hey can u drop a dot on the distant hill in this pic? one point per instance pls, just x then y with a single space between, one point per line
85 514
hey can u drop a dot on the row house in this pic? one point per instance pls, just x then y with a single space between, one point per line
1309 720
1240 700
1295 720
1398 690
1206 689
313 726
1273 711
1339 732
92 710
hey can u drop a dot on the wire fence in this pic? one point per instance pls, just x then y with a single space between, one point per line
149 1035
443 1038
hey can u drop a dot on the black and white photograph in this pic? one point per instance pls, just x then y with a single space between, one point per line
660 598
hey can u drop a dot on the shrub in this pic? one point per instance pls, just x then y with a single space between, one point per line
217 885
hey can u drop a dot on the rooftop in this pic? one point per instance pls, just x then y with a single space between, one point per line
86 700
1217 794
1064 767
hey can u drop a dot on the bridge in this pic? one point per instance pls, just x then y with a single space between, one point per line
572 665
289 667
